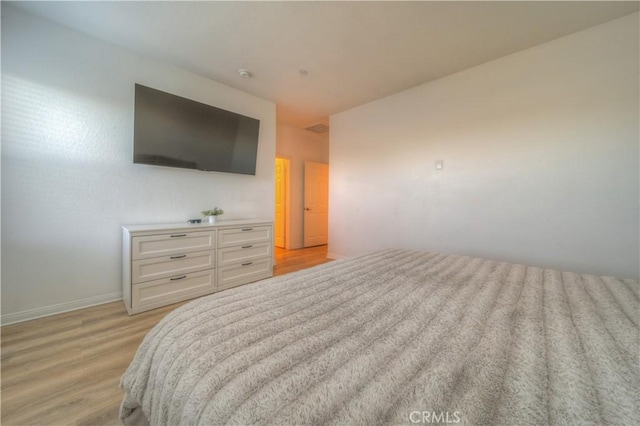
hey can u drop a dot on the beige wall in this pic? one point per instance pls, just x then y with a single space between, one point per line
68 178
299 145
540 152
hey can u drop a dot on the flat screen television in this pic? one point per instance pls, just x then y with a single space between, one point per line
176 132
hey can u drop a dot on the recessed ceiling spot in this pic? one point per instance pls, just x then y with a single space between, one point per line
303 72
244 73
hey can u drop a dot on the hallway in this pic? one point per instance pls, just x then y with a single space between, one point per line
294 260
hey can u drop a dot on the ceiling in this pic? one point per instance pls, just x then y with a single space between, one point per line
353 52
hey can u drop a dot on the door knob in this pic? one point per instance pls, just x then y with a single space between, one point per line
307 209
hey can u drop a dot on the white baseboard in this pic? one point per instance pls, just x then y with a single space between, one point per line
335 256
46 311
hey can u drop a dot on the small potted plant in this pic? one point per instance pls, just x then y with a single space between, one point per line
212 214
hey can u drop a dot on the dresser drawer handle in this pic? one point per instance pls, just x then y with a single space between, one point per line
247 229
178 257
247 264
178 235
179 278
247 246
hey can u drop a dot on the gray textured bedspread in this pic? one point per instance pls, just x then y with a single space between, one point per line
397 337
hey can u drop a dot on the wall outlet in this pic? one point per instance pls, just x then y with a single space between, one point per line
438 164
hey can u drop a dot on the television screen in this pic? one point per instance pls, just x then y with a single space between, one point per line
177 132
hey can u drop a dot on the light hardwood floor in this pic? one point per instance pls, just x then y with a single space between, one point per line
66 369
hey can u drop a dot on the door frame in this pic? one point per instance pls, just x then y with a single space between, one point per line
286 199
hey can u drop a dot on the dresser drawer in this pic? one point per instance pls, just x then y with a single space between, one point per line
243 236
169 266
170 290
234 275
242 254
168 244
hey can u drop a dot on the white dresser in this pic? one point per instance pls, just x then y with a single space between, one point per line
168 263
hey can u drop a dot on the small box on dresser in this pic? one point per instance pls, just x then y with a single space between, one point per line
169 263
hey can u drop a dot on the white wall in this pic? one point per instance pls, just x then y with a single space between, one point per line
299 145
540 152
68 178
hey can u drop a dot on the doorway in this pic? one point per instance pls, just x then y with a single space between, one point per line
282 203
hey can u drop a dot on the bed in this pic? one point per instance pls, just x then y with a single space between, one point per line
396 337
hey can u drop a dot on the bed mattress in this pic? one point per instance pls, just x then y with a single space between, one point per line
396 337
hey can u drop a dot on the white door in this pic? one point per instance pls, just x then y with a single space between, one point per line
281 181
316 203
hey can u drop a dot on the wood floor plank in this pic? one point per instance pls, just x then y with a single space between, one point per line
66 369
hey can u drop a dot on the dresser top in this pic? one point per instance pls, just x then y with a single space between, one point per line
195 226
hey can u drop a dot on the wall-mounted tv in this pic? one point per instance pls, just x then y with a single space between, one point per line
176 132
